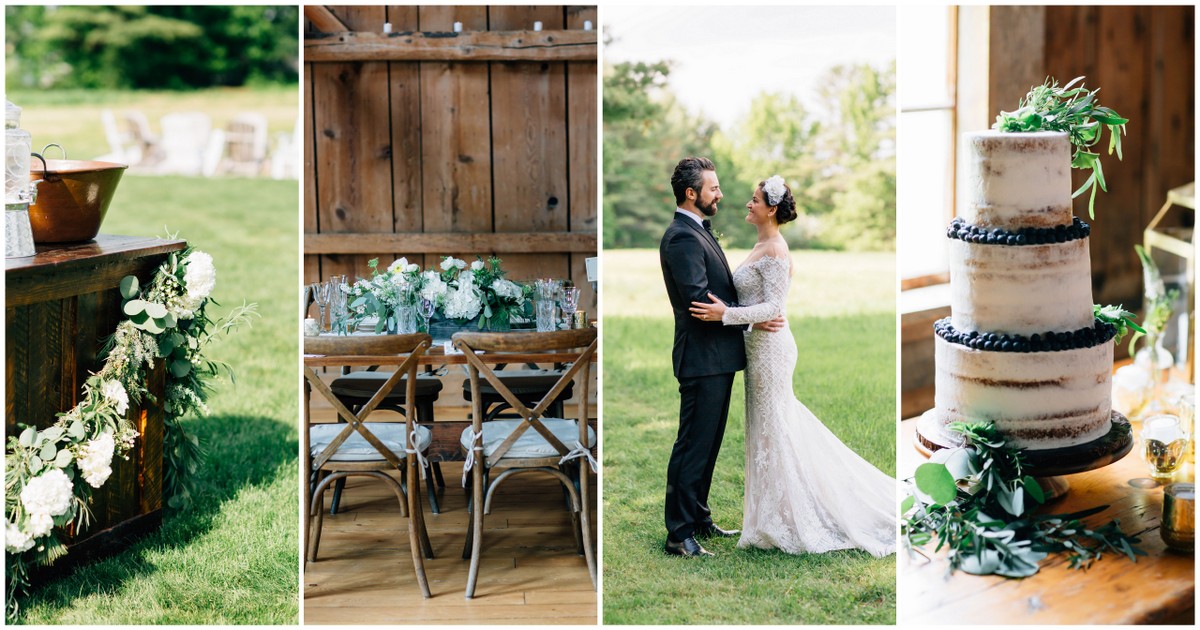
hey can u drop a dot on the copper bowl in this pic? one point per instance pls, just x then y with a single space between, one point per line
72 198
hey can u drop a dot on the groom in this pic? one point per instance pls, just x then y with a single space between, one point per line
705 356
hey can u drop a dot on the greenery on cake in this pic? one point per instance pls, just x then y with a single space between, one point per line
1119 317
1076 111
977 502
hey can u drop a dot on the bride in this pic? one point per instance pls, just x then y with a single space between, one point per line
806 492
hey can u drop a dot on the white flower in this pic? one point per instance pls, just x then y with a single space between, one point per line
49 493
39 524
448 263
95 459
463 302
774 189
200 276
507 289
345 288
399 264
114 392
15 540
434 287
477 265
413 268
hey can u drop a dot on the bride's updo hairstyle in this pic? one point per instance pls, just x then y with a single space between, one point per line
785 210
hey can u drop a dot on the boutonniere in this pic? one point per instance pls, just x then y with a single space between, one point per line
717 234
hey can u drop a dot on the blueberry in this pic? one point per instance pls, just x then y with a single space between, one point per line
973 334
1012 239
1021 239
989 345
1073 232
1006 346
1060 237
1036 338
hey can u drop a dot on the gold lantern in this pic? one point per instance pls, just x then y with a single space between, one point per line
1168 241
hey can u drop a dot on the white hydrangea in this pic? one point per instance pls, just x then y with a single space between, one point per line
200 277
477 265
15 540
452 263
49 493
463 302
434 287
507 289
95 459
39 524
114 392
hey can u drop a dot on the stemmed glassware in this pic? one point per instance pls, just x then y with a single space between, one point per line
425 307
338 300
321 295
569 302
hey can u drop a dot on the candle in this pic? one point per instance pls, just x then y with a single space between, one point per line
537 26
1179 516
458 27
587 25
310 327
387 27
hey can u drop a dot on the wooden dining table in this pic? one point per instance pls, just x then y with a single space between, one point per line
1159 588
446 432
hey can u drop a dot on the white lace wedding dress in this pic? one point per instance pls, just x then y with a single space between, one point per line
806 492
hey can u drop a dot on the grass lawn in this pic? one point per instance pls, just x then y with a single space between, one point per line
233 558
841 309
72 117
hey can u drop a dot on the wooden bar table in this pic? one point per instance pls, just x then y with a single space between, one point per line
60 305
1158 588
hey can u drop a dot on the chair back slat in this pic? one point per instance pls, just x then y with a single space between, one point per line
365 345
527 341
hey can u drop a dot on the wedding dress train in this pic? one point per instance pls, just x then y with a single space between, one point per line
806 491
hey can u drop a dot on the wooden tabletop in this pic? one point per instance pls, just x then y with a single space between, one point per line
1159 588
104 248
436 355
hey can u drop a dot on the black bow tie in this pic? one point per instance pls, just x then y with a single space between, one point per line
707 225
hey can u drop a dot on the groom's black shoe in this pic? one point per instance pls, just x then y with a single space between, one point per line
712 531
688 548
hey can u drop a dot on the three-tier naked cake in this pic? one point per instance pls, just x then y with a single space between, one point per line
1022 347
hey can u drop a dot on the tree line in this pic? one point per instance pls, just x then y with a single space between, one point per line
838 157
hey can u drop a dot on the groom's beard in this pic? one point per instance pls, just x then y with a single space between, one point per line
707 210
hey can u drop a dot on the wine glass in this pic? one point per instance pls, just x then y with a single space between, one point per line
321 297
570 302
425 308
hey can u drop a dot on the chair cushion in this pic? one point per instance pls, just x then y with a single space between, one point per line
531 443
525 384
364 385
356 448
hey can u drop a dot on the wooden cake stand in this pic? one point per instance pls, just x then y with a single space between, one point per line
1050 467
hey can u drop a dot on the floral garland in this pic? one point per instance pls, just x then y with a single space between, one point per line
460 291
50 474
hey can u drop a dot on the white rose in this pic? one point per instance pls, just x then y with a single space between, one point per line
506 288
477 265
114 392
413 268
460 264
449 263
15 540
48 493
95 459
40 524
200 277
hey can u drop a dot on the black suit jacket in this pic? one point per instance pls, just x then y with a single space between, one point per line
694 265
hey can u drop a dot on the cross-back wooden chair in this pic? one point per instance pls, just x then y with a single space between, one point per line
367 448
532 442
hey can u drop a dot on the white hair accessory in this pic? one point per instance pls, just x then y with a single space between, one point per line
774 189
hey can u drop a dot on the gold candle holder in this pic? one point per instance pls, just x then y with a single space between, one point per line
1178 525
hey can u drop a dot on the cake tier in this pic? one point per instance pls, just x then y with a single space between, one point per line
1020 289
1038 400
1017 180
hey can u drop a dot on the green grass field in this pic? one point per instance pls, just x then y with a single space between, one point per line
233 558
71 118
841 309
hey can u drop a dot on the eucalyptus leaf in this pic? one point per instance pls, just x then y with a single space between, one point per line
134 307
155 310
129 287
75 430
180 369
35 463
48 452
985 562
907 504
52 434
937 482
63 459
27 437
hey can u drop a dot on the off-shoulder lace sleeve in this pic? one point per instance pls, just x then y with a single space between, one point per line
773 274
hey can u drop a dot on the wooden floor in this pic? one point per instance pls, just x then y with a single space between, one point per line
530 572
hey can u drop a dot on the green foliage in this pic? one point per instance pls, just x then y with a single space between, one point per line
1119 317
978 502
1075 110
173 47
838 158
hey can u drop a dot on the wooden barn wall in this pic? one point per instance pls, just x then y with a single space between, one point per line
463 147
1143 59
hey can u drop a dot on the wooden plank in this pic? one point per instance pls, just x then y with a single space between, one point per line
529 132
405 98
1015 51
456 147
548 45
312 264
440 243
582 130
353 145
323 19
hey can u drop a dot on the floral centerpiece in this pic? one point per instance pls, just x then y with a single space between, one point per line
385 294
50 473
482 291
